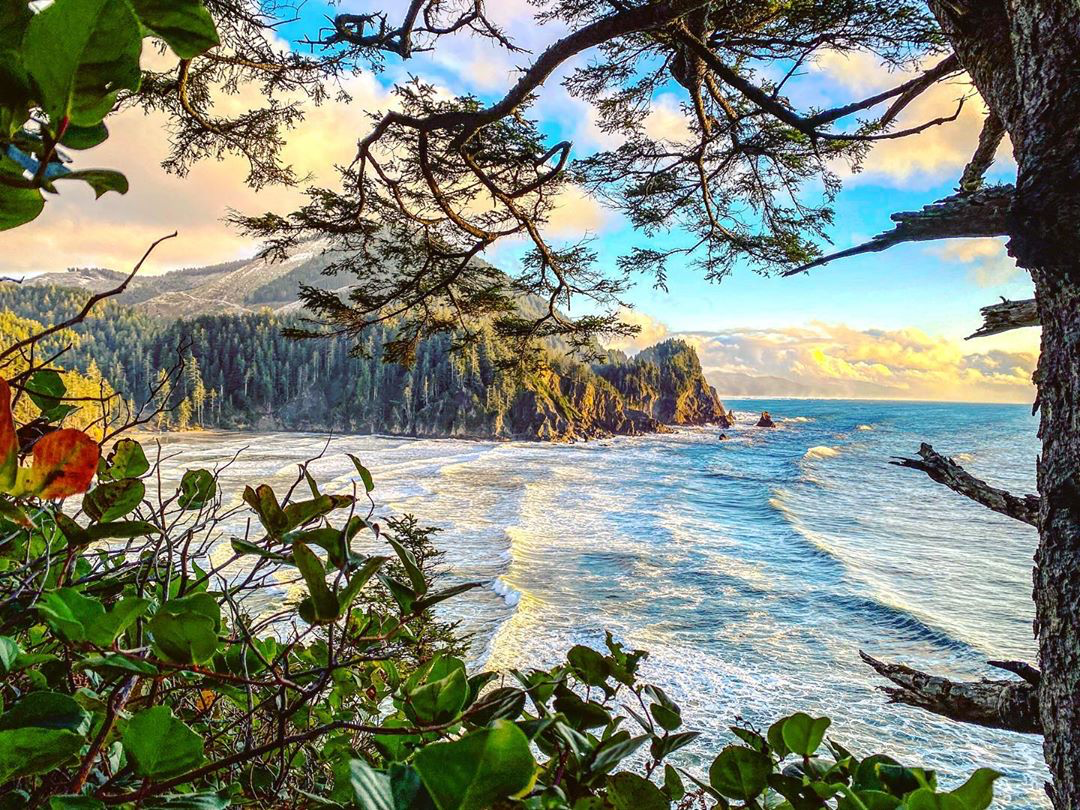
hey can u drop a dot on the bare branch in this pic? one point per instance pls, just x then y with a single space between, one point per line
1009 705
1007 315
990 138
80 316
980 213
948 472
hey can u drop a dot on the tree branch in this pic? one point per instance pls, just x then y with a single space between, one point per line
1009 705
1005 316
948 472
979 213
990 137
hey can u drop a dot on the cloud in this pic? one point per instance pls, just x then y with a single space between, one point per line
988 263
76 230
651 331
922 160
666 120
836 360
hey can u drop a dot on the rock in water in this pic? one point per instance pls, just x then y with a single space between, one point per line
765 420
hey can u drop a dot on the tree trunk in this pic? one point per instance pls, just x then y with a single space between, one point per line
1057 562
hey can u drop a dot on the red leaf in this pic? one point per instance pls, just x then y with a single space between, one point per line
9 444
64 462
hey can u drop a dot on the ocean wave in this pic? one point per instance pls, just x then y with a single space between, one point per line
509 593
821 451
898 619
794 419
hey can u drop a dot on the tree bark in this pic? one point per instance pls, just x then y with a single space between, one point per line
1022 56
1057 562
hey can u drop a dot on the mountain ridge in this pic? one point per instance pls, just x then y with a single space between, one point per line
266 382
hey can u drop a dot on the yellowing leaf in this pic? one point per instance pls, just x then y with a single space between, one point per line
63 464
9 443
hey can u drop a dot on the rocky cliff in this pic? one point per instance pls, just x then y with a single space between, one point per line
240 373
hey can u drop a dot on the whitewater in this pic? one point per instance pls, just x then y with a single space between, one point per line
753 568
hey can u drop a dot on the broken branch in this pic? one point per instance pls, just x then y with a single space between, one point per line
946 471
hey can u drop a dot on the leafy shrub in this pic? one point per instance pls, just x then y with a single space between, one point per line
151 660
62 68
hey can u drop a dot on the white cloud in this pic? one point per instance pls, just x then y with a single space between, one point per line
988 263
922 160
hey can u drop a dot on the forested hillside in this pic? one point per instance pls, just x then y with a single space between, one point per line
240 372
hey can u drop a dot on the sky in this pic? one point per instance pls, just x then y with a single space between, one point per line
888 324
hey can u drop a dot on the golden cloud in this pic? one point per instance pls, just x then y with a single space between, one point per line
919 160
76 230
988 263
836 360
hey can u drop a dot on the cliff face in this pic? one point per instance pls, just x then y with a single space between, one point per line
666 381
240 372
662 386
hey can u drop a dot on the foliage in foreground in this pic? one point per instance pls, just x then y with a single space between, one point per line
149 662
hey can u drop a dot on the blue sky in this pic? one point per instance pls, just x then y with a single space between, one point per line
889 322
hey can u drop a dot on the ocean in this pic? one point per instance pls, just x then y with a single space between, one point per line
753 569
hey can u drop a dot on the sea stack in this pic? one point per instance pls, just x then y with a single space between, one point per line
765 420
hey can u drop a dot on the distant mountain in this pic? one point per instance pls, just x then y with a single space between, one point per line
226 321
243 286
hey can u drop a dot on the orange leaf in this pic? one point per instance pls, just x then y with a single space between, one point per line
9 443
63 464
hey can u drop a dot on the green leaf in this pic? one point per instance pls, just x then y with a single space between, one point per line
439 596
803 734
81 618
978 791
673 783
665 717
75 803
121 529
439 701
265 503
185 25
396 788
479 769
76 137
39 733
614 750
927 799
46 390
81 53
628 791
70 613
590 665
364 473
106 629
100 180
197 488
113 499
9 651
160 745
358 580
505 703
185 635
303 512
19 206
740 773
408 562
126 460
324 603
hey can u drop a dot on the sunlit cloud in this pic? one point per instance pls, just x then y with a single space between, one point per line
986 259
922 160
75 230
834 360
